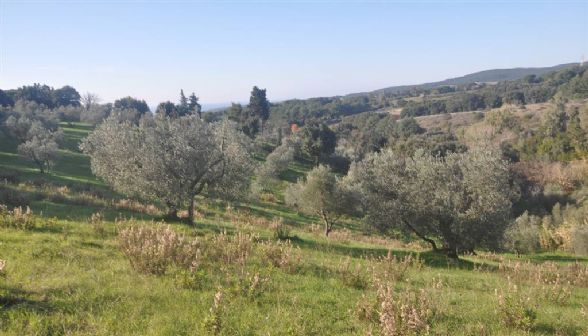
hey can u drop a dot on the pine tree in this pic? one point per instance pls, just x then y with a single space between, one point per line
194 107
258 106
183 108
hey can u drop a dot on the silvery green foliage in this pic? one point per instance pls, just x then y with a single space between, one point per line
18 127
26 110
463 198
523 235
40 145
321 194
171 160
276 162
95 113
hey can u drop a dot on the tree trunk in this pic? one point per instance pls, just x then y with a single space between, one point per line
451 252
191 211
450 245
172 212
423 237
328 230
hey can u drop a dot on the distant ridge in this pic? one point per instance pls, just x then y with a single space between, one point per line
494 75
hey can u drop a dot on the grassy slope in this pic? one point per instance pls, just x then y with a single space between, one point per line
63 278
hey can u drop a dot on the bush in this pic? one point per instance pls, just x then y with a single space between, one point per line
19 218
213 323
405 313
281 230
515 309
97 223
524 234
280 254
229 250
353 275
153 250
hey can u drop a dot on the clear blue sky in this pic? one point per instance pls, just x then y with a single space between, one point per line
295 49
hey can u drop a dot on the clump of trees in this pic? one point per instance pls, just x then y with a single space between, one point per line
171 160
36 130
571 83
251 119
562 135
564 229
318 140
130 103
42 95
321 194
462 200
187 106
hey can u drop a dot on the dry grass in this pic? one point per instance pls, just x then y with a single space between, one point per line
18 218
153 249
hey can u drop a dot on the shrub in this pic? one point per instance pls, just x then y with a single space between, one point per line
405 313
515 309
556 290
191 278
280 254
353 274
253 285
97 223
152 250
229 250
366 309
524 234
281 230
19 218
214 321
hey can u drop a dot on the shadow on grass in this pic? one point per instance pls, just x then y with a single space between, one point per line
555 257
430 258
16 298
291 175
547 329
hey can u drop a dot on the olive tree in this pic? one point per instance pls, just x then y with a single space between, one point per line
37 142
171 159
276 162
322 194
462 199
40 146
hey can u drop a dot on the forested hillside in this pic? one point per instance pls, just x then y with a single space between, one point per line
457 210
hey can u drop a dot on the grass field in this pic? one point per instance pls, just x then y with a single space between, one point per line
67 275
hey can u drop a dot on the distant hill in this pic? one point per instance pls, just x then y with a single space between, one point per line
494 75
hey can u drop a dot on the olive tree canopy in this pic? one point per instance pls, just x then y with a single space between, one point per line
171 159
321 194
462 199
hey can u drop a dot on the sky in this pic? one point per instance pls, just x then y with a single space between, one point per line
294 49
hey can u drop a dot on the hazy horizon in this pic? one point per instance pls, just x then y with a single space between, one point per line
151 50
